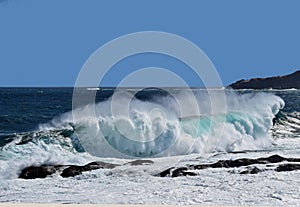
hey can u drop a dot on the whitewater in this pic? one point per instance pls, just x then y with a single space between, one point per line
171 127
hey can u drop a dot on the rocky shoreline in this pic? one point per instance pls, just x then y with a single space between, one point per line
276 82
267 163
66 171
287 164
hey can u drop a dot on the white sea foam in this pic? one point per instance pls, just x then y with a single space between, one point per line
157 129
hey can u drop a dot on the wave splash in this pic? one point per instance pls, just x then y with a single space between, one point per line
153 128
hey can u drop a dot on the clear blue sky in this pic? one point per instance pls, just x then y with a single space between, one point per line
46 42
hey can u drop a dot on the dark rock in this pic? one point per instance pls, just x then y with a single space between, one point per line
33 172
183 171
74 170
272 159
278 82
253 170
172 172
293 159
232 163
100 164
287 167
244 162
166 173
140 162
43 171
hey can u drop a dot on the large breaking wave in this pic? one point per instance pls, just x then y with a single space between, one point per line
162 132
154 128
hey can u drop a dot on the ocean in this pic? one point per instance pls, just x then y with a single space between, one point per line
171 127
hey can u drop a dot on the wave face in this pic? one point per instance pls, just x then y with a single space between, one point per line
154 127
157 124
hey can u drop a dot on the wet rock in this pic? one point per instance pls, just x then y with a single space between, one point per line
74 170
43 171
232 163
253 170
33 172
172 172
140 162
244 162
287 167
272 159
166 173
183 171
100 164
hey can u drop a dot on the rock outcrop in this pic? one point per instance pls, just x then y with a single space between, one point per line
190 169
43 171
288 167
74 170
65 171
250 167
277 82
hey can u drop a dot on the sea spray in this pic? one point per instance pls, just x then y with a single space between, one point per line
244 123
154 128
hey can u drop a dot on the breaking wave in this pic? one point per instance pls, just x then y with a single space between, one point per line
154 128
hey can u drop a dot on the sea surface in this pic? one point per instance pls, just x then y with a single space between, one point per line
171 127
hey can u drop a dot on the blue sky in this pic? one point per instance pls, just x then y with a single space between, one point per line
45 43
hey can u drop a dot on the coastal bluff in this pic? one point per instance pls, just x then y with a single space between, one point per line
277 82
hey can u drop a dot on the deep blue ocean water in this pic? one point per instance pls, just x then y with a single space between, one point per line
22 109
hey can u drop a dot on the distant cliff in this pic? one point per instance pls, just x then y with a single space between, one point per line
277 82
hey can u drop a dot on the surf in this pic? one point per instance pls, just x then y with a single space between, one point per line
154 128
244 125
